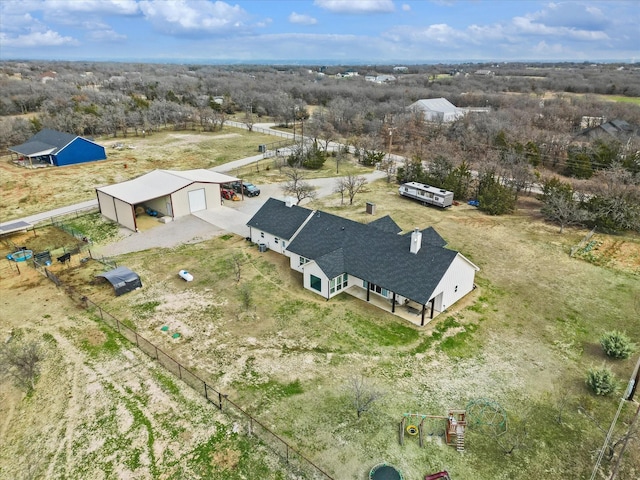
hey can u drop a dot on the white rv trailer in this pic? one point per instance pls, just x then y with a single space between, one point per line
427 194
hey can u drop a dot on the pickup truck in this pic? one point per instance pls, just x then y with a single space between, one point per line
248 189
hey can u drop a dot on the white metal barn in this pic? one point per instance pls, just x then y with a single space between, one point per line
168 192
437 110
427 194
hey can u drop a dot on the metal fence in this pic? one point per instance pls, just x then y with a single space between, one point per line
296 461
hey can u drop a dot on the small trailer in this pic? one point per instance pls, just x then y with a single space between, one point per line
427 194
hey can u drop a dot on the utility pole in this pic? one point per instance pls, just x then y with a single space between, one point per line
624 444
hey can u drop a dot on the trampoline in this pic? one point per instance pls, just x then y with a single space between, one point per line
383 471
20 255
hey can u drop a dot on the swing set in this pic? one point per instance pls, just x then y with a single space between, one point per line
452 427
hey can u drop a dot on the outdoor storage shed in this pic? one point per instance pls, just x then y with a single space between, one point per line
122 279
169 193
59 149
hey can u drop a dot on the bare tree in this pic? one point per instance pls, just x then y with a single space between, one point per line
236 261
363 394
296 186
21 360
352 185
561 207
340 188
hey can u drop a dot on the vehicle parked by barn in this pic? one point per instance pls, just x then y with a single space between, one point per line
426 194
248 189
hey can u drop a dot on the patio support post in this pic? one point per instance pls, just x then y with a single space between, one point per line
433 304
368 288
393 303
424 309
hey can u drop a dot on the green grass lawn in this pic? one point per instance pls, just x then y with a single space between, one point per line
524 339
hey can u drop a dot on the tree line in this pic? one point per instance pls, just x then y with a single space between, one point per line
526 135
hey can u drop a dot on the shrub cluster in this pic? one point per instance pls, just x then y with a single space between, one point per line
601 380
616 344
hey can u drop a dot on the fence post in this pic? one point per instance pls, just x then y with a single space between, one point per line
156 351
118 325
102 317
220 400
179 371
136 334
206 394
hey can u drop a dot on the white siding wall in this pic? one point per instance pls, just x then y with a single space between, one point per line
294 261
455 284
107 207
312 268
274 243
181 198
125 213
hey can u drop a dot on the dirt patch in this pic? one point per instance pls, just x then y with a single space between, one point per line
186 139
94 336
618 252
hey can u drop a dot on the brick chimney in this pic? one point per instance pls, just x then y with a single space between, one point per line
416 241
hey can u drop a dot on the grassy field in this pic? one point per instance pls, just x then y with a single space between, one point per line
523 339
24 191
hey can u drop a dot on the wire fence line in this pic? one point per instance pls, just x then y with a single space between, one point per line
296 461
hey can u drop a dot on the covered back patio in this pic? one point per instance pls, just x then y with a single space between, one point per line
411 311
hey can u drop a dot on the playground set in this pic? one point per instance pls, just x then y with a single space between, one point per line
417 424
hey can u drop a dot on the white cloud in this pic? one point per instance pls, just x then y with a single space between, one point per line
406 8
193 17
438 33
525 26
356 6
45 39
106 35
111 7
302 19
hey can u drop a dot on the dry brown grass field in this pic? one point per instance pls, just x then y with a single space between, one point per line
26 191
523 340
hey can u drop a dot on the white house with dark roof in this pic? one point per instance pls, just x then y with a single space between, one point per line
371 261
276 223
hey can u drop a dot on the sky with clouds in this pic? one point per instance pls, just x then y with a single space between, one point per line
310 31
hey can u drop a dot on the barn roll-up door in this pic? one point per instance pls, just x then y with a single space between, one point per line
197 200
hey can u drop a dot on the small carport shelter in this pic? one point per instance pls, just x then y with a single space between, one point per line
59 149
122 279
169 192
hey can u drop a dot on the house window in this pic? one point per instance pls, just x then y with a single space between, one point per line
276 240
261 234
456 289
338 283
303 261
284 244
379 290
316 283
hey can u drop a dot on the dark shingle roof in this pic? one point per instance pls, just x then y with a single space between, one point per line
276 218
386 224
613 127
44 140
340 246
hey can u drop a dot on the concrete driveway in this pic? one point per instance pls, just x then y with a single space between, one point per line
206 224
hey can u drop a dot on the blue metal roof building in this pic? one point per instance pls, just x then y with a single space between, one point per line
59 149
